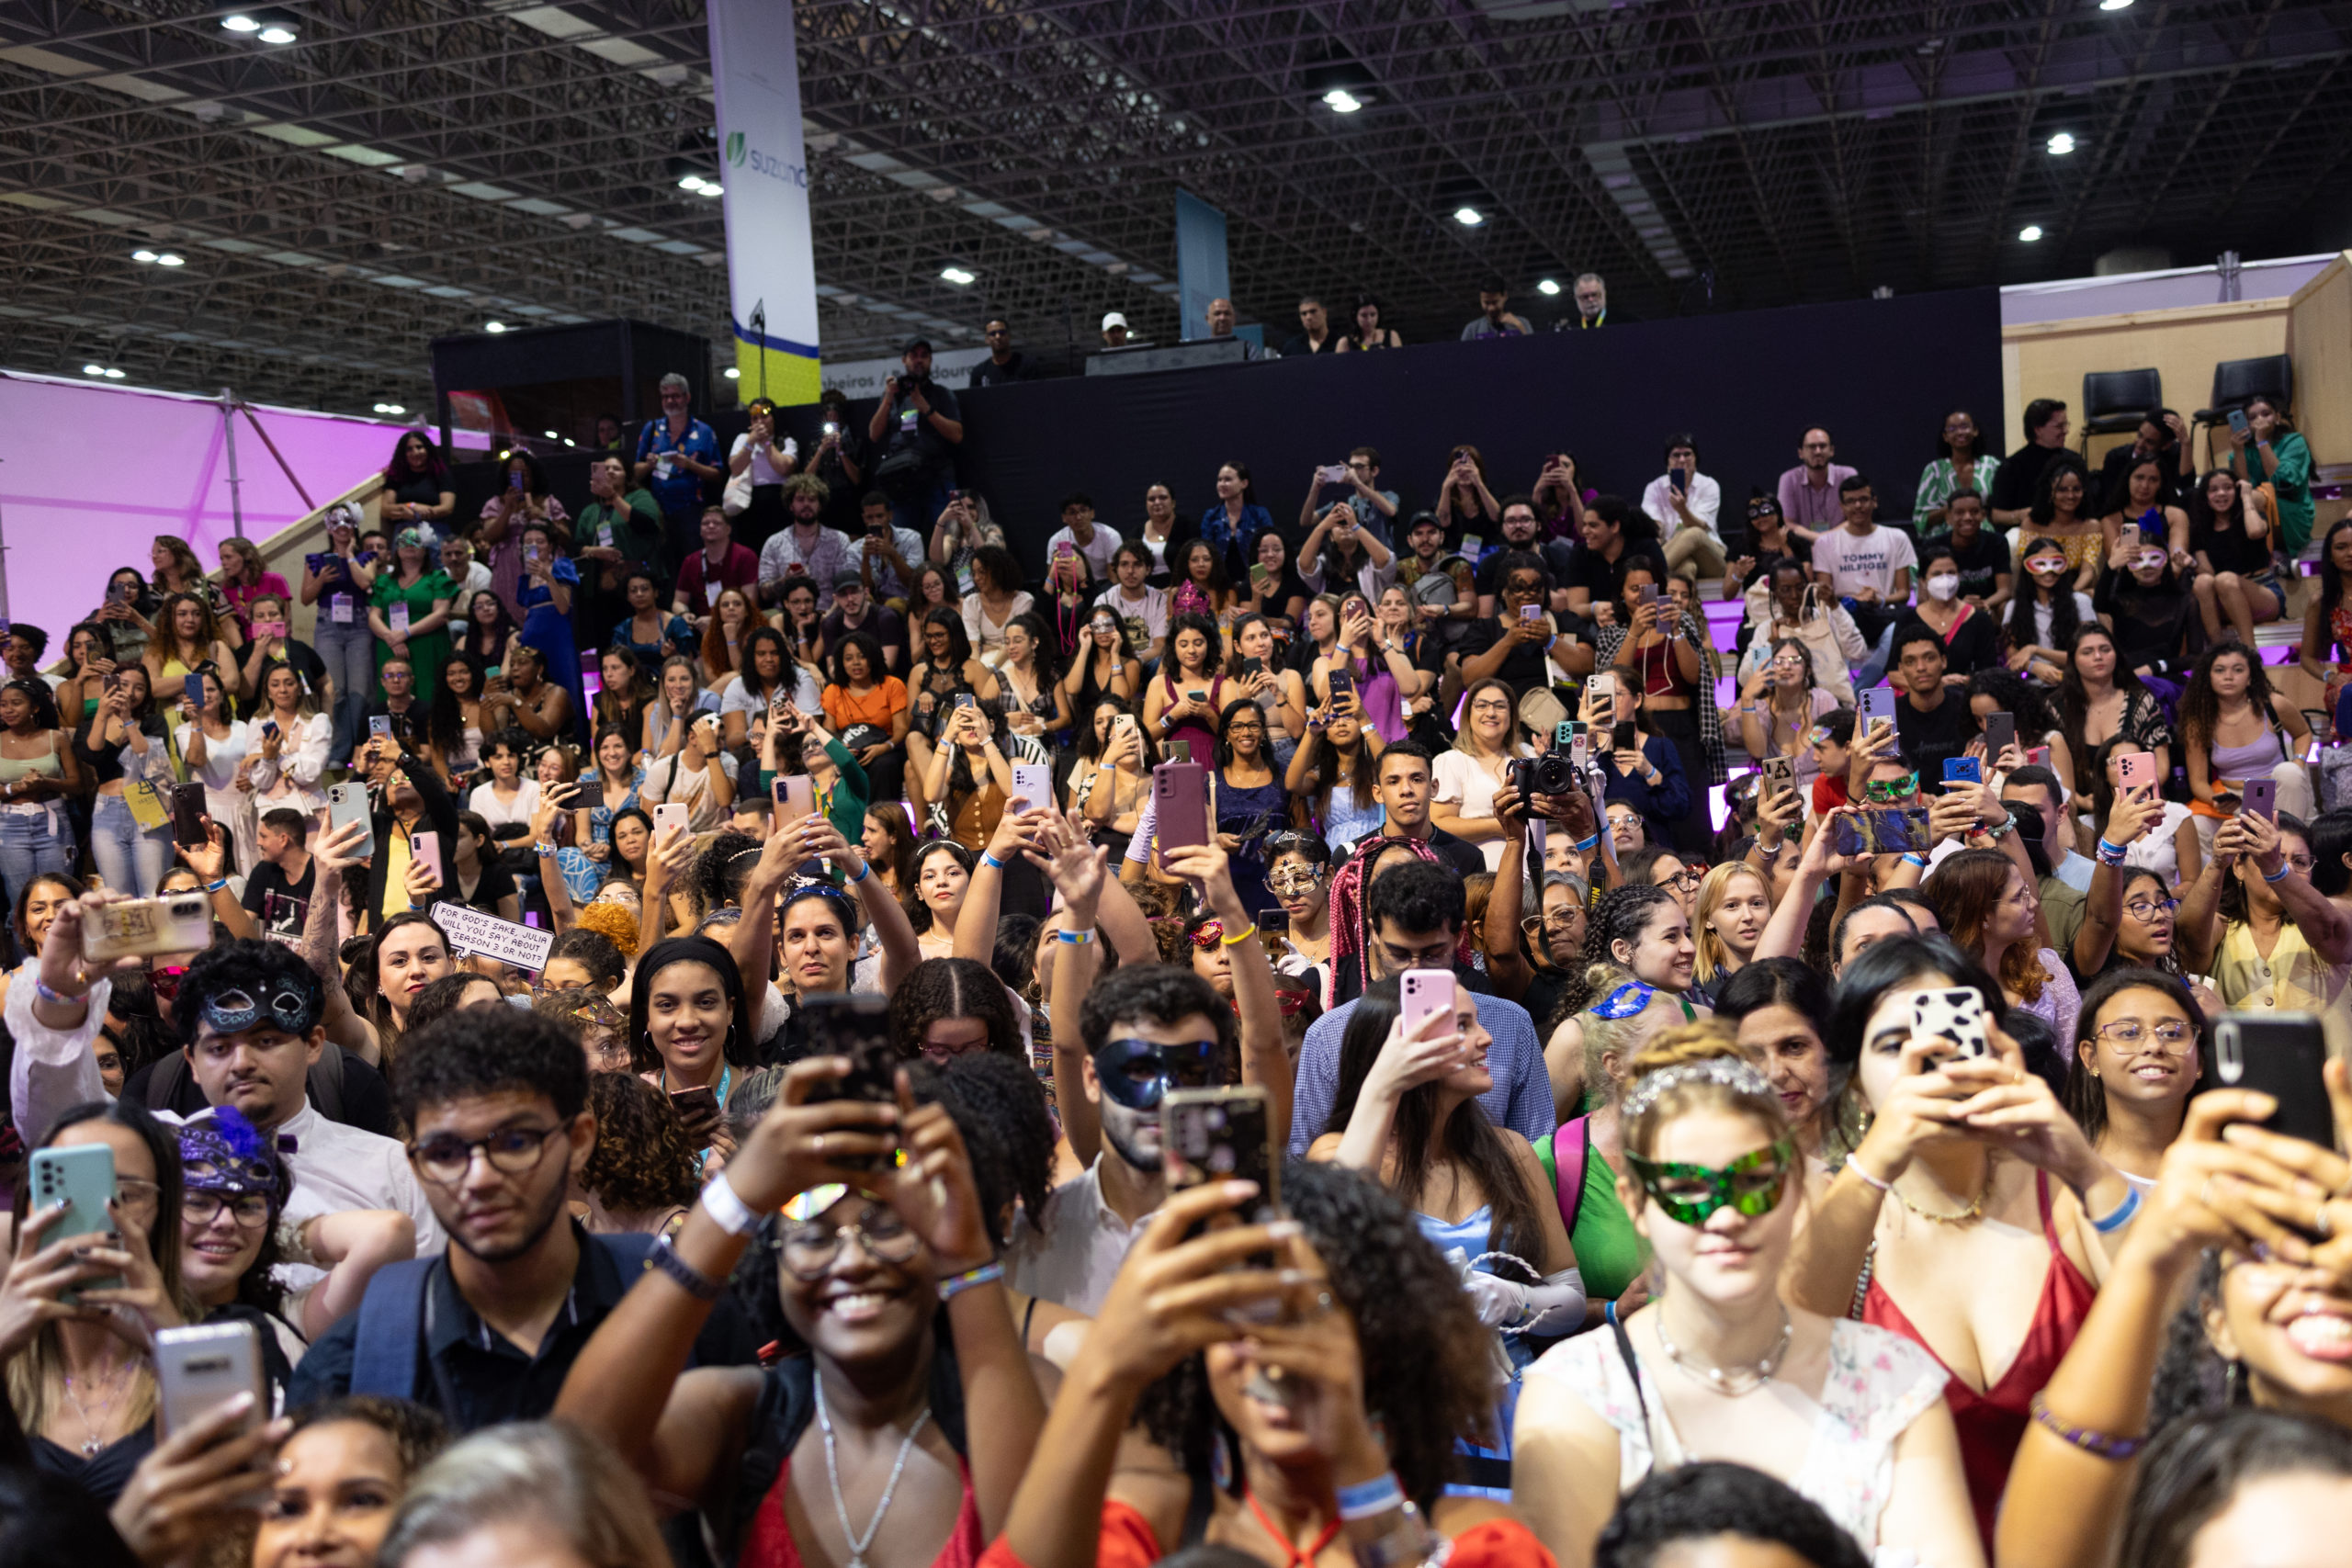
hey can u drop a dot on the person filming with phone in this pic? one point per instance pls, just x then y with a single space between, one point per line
2254 920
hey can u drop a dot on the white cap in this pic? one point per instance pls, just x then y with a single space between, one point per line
1113 319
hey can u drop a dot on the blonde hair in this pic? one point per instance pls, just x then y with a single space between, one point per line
1709 1040
1712 954
1604 1035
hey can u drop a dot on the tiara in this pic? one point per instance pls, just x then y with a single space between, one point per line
1729 1071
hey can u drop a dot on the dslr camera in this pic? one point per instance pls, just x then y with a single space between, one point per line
1548 772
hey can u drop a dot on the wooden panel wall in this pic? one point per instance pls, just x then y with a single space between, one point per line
2048 359
2319 334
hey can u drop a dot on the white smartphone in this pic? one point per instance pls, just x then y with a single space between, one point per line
1033 785
1955 1014
200 1369
348 803
1423 994
667 816
1603 688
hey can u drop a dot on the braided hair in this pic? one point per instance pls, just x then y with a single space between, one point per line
1350 937
1619 914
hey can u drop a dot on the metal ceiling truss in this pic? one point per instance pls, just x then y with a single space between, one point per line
412 167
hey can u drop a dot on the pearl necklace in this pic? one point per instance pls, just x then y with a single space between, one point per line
1734 1381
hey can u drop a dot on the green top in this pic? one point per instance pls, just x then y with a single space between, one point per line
1611 1254
846 807
1937 482
637 542
427 653
2288 471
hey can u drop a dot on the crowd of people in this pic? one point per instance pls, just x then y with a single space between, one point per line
1381 1037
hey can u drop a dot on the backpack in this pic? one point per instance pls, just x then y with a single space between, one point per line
324 1082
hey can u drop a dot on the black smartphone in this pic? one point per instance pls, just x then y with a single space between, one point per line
1251 666
697 1109
1222 1134
1622 736
187 815
1273 923
855 1024
2000 734
1343 684
2281 1054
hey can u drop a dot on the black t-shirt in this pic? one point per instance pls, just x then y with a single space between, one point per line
2114 480
495 884
1981 560
278 905
988 373
1555 555
2019 479
1928 738
1587 569
881 623
907 429
1524 669
1463 856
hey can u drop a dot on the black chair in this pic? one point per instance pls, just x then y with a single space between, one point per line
2115 402
2238 382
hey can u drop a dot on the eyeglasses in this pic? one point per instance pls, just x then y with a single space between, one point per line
1690 1194
1689 877
1558 920
133 1191
510 1150
2149 908
811 1246
2174 1035
250 1209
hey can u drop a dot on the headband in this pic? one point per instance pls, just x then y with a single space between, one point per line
1727 1071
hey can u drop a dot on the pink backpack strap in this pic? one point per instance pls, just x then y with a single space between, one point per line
1569 1148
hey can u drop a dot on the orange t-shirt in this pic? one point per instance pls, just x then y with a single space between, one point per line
847 708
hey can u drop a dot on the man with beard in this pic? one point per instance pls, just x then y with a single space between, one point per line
496 1099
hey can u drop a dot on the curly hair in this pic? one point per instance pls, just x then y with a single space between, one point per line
953 987
418 1432
2017 695
1622 914
610 921
1005 1096
642 1162
593 951
1429 1373
717 877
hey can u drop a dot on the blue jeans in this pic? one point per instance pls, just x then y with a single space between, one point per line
130 859
349 653
28 847
1871 672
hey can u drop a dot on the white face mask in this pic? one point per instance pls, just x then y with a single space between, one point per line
1944 585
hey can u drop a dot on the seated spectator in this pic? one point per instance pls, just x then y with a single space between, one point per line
1868 569
1971 637
2233 727
855 611
1081 533
2141 510
2101 701
1468 772
1683 503
1963 463
1335 772
1812 495
1523 644
1779 704
720 564
1646 776
2275 464
2163 435
804 549
996 598
2016 488
2237 581
1613 539
1786 605
1667 654
1141 610
1933 722
535 1486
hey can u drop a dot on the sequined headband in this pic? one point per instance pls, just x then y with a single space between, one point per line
1729 1071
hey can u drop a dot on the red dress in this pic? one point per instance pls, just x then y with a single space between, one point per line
1991 1422
770 1542
1127 1542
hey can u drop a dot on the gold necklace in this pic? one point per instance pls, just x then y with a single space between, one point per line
1970 1215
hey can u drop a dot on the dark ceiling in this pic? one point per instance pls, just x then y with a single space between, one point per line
412 167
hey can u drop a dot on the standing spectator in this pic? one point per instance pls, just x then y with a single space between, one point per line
1494 318
843 458
1098 543
720 564
1809 493
1464 502
548 582
674 454
2162 436
243 579
122 744
1233 524
619 528
1005 365
290 746
804 549
416 484
525 497
36 774
1867 569
409 613
2014 489
889 557
1511 644
186 639
1666 649
1614 540
769 462
1961 463
917 425
1221 318
1684 503
1114 331
1315 333
1369 333
467 575
2275 463
1591 294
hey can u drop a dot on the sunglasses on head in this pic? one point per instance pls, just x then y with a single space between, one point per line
1690 1194
1136 1073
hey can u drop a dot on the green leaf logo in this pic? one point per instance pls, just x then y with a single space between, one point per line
735 148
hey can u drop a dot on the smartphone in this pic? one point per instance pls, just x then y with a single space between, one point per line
2133 769
2238 426
80 1175
671 815
1423 994
1649 596
1963 770
1197 694
1537 830
187 815
1883 831
1032 785
1603 689
1258 574
170 922
427 848
697 1110
2279 1053
796 796
2000 734
1180 751
1273 923
1180 804
1564 732
1878 702
831 428
1679 480
202 1368
379 724
2037 756
2261 798
1531 613
1342 683
855 1024
1954 1013
1221 1134
1622 736
348 803
265 630
193 687
1250 667
1779 775
1332 474
964 699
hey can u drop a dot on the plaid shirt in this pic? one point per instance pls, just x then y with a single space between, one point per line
1607 640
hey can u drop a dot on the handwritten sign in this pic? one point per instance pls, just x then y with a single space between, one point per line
471 931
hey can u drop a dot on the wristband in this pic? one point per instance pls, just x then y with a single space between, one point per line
1073 937
1581 845
1918 860
2106 849
734 1216
1232 939
2121 1217
545 852
216 886
1866 1178
955 1285
2286 870
1370 1500
688 1277
54 997
2097 1444
991 861
863 871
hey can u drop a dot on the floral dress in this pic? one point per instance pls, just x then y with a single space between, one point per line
582 876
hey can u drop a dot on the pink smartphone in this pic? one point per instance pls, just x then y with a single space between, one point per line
796 796
1423 994
1180 796
2261 798
667 816
426 847
2134 769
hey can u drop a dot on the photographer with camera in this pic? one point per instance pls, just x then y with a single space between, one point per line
915 425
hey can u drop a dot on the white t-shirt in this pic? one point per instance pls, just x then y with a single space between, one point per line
1706 499
1098 551
1147 620
2158 848
740 697
1864 560
763 471
2084 616
483 802
1470 790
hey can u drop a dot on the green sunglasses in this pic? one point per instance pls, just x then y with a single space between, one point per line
1691 1193
1903 788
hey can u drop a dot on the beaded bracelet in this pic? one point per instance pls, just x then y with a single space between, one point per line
2099 1445
955 1285
51 995
1866 1178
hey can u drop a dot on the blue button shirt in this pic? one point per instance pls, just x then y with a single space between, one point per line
682 491
1520 1099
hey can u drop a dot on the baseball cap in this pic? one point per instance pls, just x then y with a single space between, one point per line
848 579
1113 319
917 341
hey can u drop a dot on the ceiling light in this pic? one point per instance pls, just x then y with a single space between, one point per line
1548 286
2114 5
276 33
169 259
94 370
553 436
113 374
1468 216
733 373
2061 145
568 441
690 182
959 276
711 188
500 326
1340 101
240 24
2030 233
143 255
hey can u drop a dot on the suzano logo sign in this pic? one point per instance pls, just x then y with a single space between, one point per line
741 155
